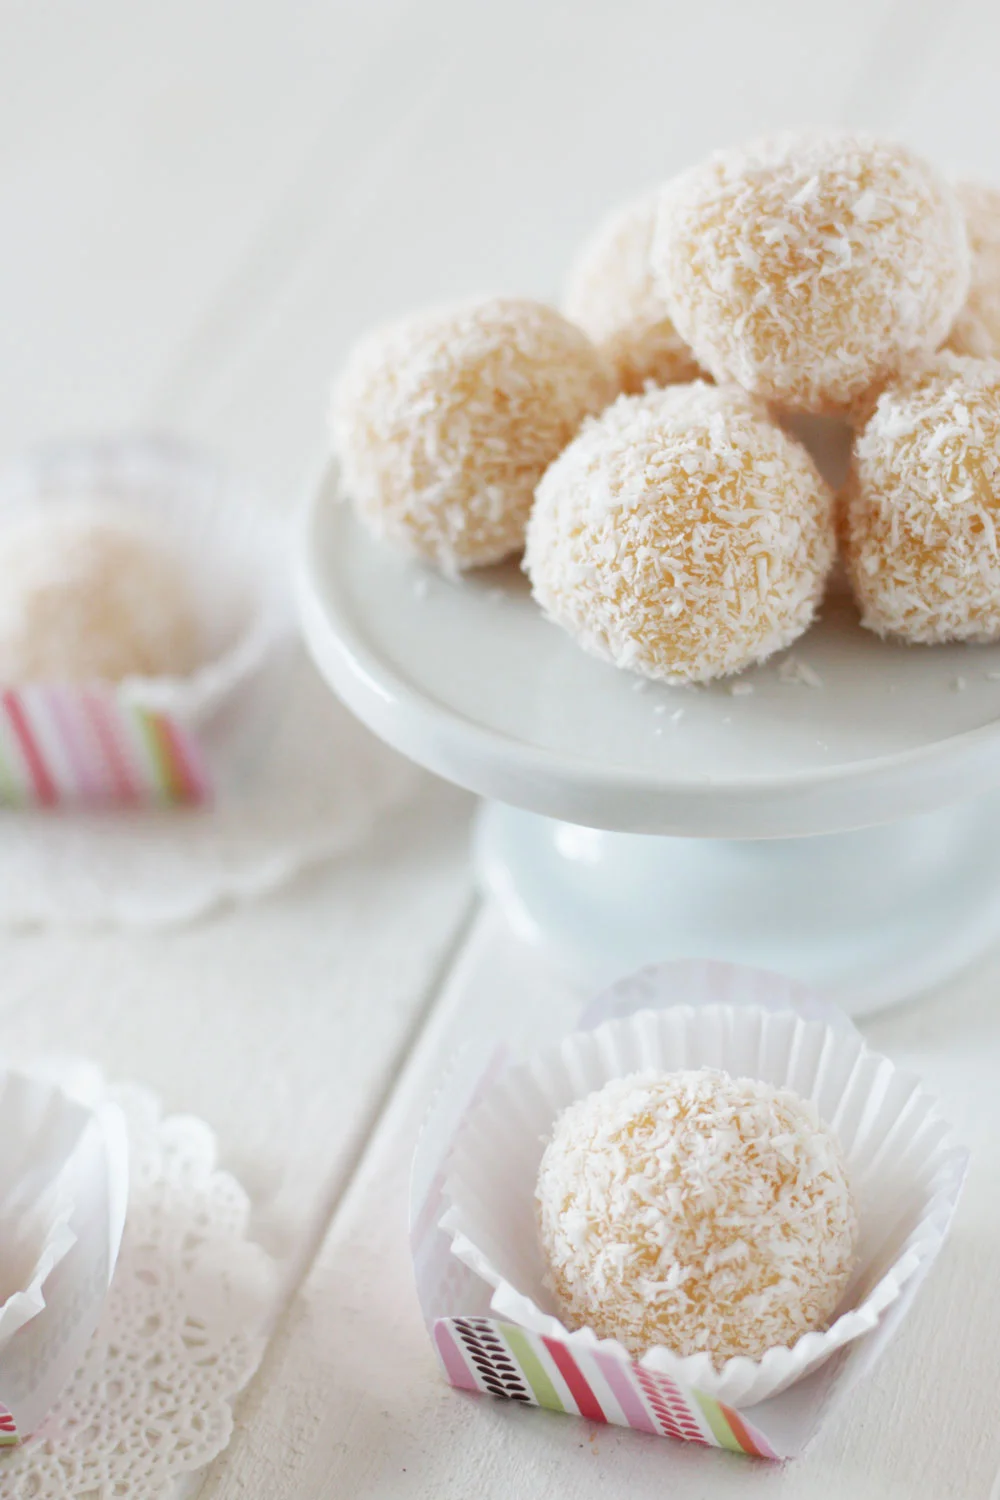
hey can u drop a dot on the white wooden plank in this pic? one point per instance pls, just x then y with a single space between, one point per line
281 1023
535 119
350 1400
931 80
143 149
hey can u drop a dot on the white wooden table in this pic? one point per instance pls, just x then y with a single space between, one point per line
201 205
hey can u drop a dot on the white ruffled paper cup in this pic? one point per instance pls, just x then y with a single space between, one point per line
905 1170
234 557
63 1196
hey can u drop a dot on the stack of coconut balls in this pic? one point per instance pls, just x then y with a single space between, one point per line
632 446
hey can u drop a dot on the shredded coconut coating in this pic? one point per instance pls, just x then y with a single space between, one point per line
444 422
87 599
977 327
610 293
922 506
810 267
697 1211
682 535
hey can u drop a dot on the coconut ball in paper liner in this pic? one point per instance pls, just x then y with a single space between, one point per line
920 512
88 597
444 421
610 294
904 1170
137 560
695 1210
810 266
682 535
977 328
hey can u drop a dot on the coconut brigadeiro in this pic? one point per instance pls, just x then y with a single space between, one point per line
611 294
921 510
88 597
682 535
444 421
696 1211
810 267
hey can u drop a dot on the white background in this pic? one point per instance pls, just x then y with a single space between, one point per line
201 204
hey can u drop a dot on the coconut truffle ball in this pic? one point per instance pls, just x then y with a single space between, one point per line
444 422
810 267
977 327
921 511
681 535
696 1211
87 598
611 295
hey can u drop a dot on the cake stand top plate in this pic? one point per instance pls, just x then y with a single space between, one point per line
467 678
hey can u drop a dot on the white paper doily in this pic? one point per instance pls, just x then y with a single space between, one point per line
318 785
181 1333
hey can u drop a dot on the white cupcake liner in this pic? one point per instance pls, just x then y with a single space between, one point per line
905 1170
35 1235
63 1191
232 551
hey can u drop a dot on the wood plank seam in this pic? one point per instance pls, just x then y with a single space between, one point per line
302 1263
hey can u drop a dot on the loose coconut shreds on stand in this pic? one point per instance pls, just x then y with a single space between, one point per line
444 421
809 267
696 1211
681 535
921 510
977 327
610 294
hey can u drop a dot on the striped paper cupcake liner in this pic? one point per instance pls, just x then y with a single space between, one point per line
142 742
500 1359
483 1350
67 746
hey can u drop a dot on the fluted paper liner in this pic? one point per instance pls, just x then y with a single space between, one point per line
905 1170
149 739
63 1193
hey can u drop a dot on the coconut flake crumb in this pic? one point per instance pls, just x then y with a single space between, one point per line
794 670
741 689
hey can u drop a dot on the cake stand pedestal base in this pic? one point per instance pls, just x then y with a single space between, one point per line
875 916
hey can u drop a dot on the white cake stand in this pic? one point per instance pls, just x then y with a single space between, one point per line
833 814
